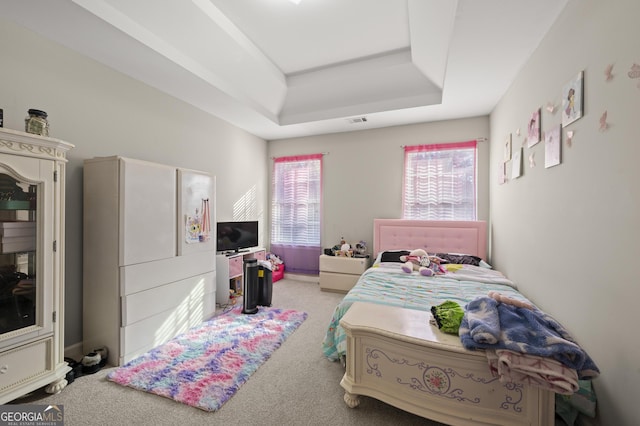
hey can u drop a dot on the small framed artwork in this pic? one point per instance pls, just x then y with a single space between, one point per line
507 149
516 164
552 147
572 100
533 129
502 173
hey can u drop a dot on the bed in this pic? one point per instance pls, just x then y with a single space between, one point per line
384 333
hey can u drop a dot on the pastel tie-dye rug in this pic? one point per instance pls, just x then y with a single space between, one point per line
205 366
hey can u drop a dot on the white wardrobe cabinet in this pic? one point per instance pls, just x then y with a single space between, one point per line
149 254
32 218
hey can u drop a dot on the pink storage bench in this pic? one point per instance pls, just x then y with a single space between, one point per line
277 275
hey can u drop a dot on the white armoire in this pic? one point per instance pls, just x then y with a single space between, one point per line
32 198
149 254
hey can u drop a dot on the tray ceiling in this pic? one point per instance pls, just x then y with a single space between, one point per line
280 70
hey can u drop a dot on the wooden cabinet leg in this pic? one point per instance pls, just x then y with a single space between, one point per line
351 400
56 387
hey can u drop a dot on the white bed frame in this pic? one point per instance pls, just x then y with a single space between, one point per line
396 355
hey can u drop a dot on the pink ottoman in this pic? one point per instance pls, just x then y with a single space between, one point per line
277 275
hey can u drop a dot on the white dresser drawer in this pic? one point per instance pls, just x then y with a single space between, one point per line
149 275
342 283
146 334
343 265
260 255
177 296
235 266
24 363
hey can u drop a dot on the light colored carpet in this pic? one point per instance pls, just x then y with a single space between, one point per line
296 386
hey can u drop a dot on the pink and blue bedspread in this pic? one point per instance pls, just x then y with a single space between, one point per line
387 284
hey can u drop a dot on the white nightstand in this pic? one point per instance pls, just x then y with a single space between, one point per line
340 273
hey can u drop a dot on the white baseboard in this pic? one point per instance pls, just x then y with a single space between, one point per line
302 277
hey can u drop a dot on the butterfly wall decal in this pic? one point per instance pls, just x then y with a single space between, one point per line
551 107
635 72
608 72
603 122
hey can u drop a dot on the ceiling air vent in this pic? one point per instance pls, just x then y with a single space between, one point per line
357 120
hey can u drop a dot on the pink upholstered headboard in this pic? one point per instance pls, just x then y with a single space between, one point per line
432 236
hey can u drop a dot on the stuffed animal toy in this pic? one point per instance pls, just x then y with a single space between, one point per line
417 260
343 249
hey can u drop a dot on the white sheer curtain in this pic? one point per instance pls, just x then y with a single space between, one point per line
440 181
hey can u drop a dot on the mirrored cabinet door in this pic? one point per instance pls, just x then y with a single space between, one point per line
19 295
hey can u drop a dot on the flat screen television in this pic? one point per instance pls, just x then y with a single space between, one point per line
236 235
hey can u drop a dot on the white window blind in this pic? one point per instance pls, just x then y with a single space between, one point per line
296 200
440 181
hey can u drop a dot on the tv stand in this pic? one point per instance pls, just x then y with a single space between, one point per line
234 252
230 270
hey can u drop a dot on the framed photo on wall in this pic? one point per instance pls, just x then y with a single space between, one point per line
533 129
572 100
552 147
516 164
502 173
507 149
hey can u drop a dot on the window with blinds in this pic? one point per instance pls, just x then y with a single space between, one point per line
296 198
440 181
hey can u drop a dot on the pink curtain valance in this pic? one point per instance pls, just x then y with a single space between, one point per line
441 146
298 158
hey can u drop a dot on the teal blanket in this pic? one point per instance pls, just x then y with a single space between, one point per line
388 285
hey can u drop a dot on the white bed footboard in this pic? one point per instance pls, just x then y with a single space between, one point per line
395 355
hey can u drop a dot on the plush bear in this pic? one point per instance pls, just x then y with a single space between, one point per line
417 260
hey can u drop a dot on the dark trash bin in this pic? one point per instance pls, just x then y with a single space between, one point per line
251 287
265 286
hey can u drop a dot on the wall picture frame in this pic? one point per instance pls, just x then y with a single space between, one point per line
573 99
516 164
552 147
507 149
194 188
502 173
533 129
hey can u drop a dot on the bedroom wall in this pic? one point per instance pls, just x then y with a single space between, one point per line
568 235
363 171
107 113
